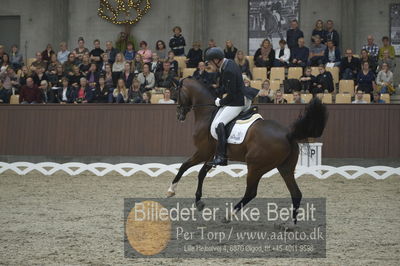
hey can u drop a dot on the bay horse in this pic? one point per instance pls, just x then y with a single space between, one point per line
267 145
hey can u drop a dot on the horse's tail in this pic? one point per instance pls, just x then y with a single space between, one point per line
311 123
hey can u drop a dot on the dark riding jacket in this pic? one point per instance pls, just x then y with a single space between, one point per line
231 83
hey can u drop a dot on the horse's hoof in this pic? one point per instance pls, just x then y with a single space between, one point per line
225 220
200 205
170 194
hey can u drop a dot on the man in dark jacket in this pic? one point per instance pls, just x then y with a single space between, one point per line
349 66
177 42
238 99
293 34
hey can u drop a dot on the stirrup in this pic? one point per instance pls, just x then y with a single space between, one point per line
218 160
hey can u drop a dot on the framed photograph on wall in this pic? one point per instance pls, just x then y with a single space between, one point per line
395 27
270 19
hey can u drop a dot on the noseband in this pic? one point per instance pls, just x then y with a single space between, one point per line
187 108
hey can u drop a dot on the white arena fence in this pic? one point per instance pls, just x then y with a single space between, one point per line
156 169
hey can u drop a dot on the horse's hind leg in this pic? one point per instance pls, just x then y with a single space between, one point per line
199 192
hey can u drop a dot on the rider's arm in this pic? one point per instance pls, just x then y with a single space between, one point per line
228 82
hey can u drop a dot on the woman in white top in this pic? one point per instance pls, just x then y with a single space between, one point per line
119 63
385 80
282 55
146 78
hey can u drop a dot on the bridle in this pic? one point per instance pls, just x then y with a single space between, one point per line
187 108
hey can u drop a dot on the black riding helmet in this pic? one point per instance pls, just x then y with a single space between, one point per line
214 53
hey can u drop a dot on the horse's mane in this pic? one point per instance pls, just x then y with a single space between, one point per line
208 90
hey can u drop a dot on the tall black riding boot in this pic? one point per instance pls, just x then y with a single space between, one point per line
220 155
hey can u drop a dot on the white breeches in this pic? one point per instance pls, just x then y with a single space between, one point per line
227 113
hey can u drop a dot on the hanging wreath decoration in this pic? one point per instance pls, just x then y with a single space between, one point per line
120 12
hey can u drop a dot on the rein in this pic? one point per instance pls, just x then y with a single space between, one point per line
193 106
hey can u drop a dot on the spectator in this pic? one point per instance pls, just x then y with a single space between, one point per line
266 94
297 98
167 97
65 94
95 54
386 59
318 30
111 52
279 98
39 62
47 94
165 78
108 77
9 79
308 81
123 41
75 78
366 58
104 61
282 55
127 76
23 75
30 93
146 79
138 64
55 79
129 52
386 47
145 52
16 58
39 76
202 75
211 44
84 94
81 49
365 79
265 55
299 55
134 94
324 81
46 54
5 63
62 55
177 42
119 64
173 63
349 66
332 54
161 50
384 80
195 55
146 97
1 53
372 48
156 64
120 93
293 35
230 50
4 94
331 33
52 65
317 52
243 64
70 64
102 91
359 97
92 75
85 65
377 98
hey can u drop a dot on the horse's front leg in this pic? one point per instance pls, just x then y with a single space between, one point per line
195 159
199 192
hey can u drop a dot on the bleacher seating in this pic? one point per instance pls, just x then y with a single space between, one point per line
314 71
325 97
260 73
275 85
335 73
306 97
295 72
343 98
278 73
181 63
385 97
156 97
367 97
251 61
288 97
257 84
346 86
188 72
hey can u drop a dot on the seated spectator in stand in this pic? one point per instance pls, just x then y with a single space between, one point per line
120 93
93 75
331 33
386 59
366 58
75 78
265 55
62 55
134 94
384 80
177 42
111 52
69 65
308 81
65 94
167 98
102 64
332 54
118 66
129 52
266 94
230 50
146 97
137 64
102 91
359 97
243 64
166 77
279 98
324 81
386 47
318 30
10 79
81 49
5 63
4 94
299 55
155 64
16 58
95 54
372 48
55 79
349 66
84 94
39 76
174 67
365 79
146 79
23 75
202 75
52 66
85 65
108 77
195 56
127 76
161 50
293 35
46 54
211 44
30 93
39 62
377 98
297 98
145 52
282 55
47 94
317 52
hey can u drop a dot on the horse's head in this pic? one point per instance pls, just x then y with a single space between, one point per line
184 102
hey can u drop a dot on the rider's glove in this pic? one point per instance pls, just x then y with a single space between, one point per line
217 102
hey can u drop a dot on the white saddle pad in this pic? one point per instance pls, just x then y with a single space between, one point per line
239 130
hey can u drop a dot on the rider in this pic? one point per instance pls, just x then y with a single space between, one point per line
238 98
